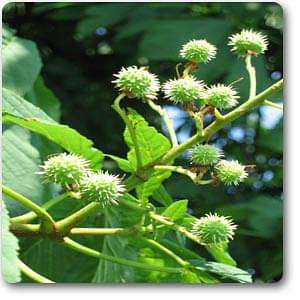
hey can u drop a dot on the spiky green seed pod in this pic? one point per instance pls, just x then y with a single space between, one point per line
183 90
205 155
248 42
214 229
198 51
231 172
137 82
101 187
64 169
221 96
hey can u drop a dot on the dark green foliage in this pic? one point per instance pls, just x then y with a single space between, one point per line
81 45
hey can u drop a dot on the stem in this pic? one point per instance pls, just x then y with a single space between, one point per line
132 205
131 182
65 225
204 182
30 216
176 227
180 250
272 104
218 115
98 231
177 169
167 251
252 75
127 121
236 81
177 70
198 118
218 124
32 230
32 274
194 177
93 253
187 69
47 222
168 121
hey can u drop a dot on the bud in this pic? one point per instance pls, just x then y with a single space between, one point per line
205 155
231 172
198 51
101 187
137 82
214 229
221 96
183 90
248 42
64 169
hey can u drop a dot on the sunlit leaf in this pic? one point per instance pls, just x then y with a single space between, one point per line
23 113
10 247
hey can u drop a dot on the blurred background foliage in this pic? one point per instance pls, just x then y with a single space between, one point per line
83 44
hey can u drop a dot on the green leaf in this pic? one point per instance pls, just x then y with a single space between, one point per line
126 216
162 196
123 164
152 144
176 210
108 272
146 189
21 63
20 166
51 259
63 135
55 261
220 253
224 271
23 113
45 99
198 277
16 105
10 248
20 159
7 34
149 257
130 198
118 246
183 252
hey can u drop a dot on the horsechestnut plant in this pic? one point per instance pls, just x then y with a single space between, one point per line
205 155
144 217
213 229
65 169
101 187
198 51
183 90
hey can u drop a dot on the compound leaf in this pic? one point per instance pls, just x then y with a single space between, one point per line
21 63
152 144
10 248
176 210
21 112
